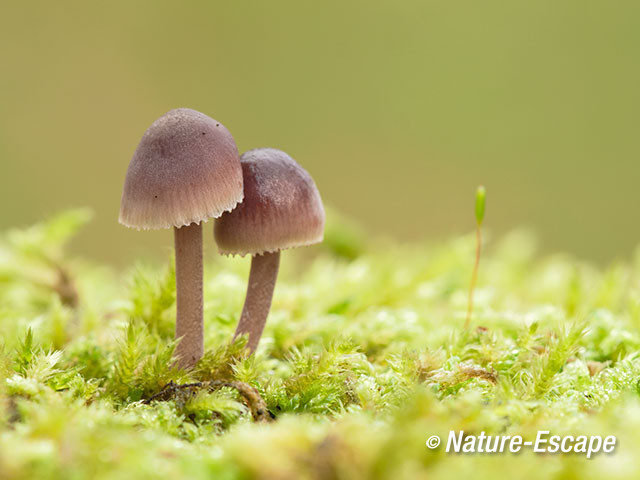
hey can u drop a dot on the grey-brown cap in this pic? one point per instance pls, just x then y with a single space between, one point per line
282 207
186 169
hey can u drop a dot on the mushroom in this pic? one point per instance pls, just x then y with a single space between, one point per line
185 170
281 209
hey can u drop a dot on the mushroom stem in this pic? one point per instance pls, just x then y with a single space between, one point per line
189 324
262 281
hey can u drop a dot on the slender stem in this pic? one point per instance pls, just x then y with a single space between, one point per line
262 281
474 276
189 325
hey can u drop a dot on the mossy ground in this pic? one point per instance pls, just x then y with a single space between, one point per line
363 358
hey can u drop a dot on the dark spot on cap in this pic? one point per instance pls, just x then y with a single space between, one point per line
155 196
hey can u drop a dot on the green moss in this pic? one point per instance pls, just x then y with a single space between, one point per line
363 358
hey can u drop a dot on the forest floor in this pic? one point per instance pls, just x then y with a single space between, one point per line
364 357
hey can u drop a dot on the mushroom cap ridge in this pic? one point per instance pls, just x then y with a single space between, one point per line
185 170
282 207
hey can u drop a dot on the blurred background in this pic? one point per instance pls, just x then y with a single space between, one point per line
398 108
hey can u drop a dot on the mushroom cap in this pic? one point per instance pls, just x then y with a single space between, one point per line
186 169
282 207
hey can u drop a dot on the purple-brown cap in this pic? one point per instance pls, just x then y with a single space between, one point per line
281 209
186 169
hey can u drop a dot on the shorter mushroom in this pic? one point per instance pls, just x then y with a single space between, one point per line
281 209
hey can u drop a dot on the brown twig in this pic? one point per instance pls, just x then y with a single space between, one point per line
65 288
250 395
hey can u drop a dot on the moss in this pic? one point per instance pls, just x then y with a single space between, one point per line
363 358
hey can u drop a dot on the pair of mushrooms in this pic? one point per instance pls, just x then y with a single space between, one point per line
186 170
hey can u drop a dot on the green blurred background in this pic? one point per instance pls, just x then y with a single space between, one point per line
397 108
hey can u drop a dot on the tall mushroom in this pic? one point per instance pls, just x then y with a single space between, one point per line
281 209
185 170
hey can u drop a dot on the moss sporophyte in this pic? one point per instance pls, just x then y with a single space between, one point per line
480 207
